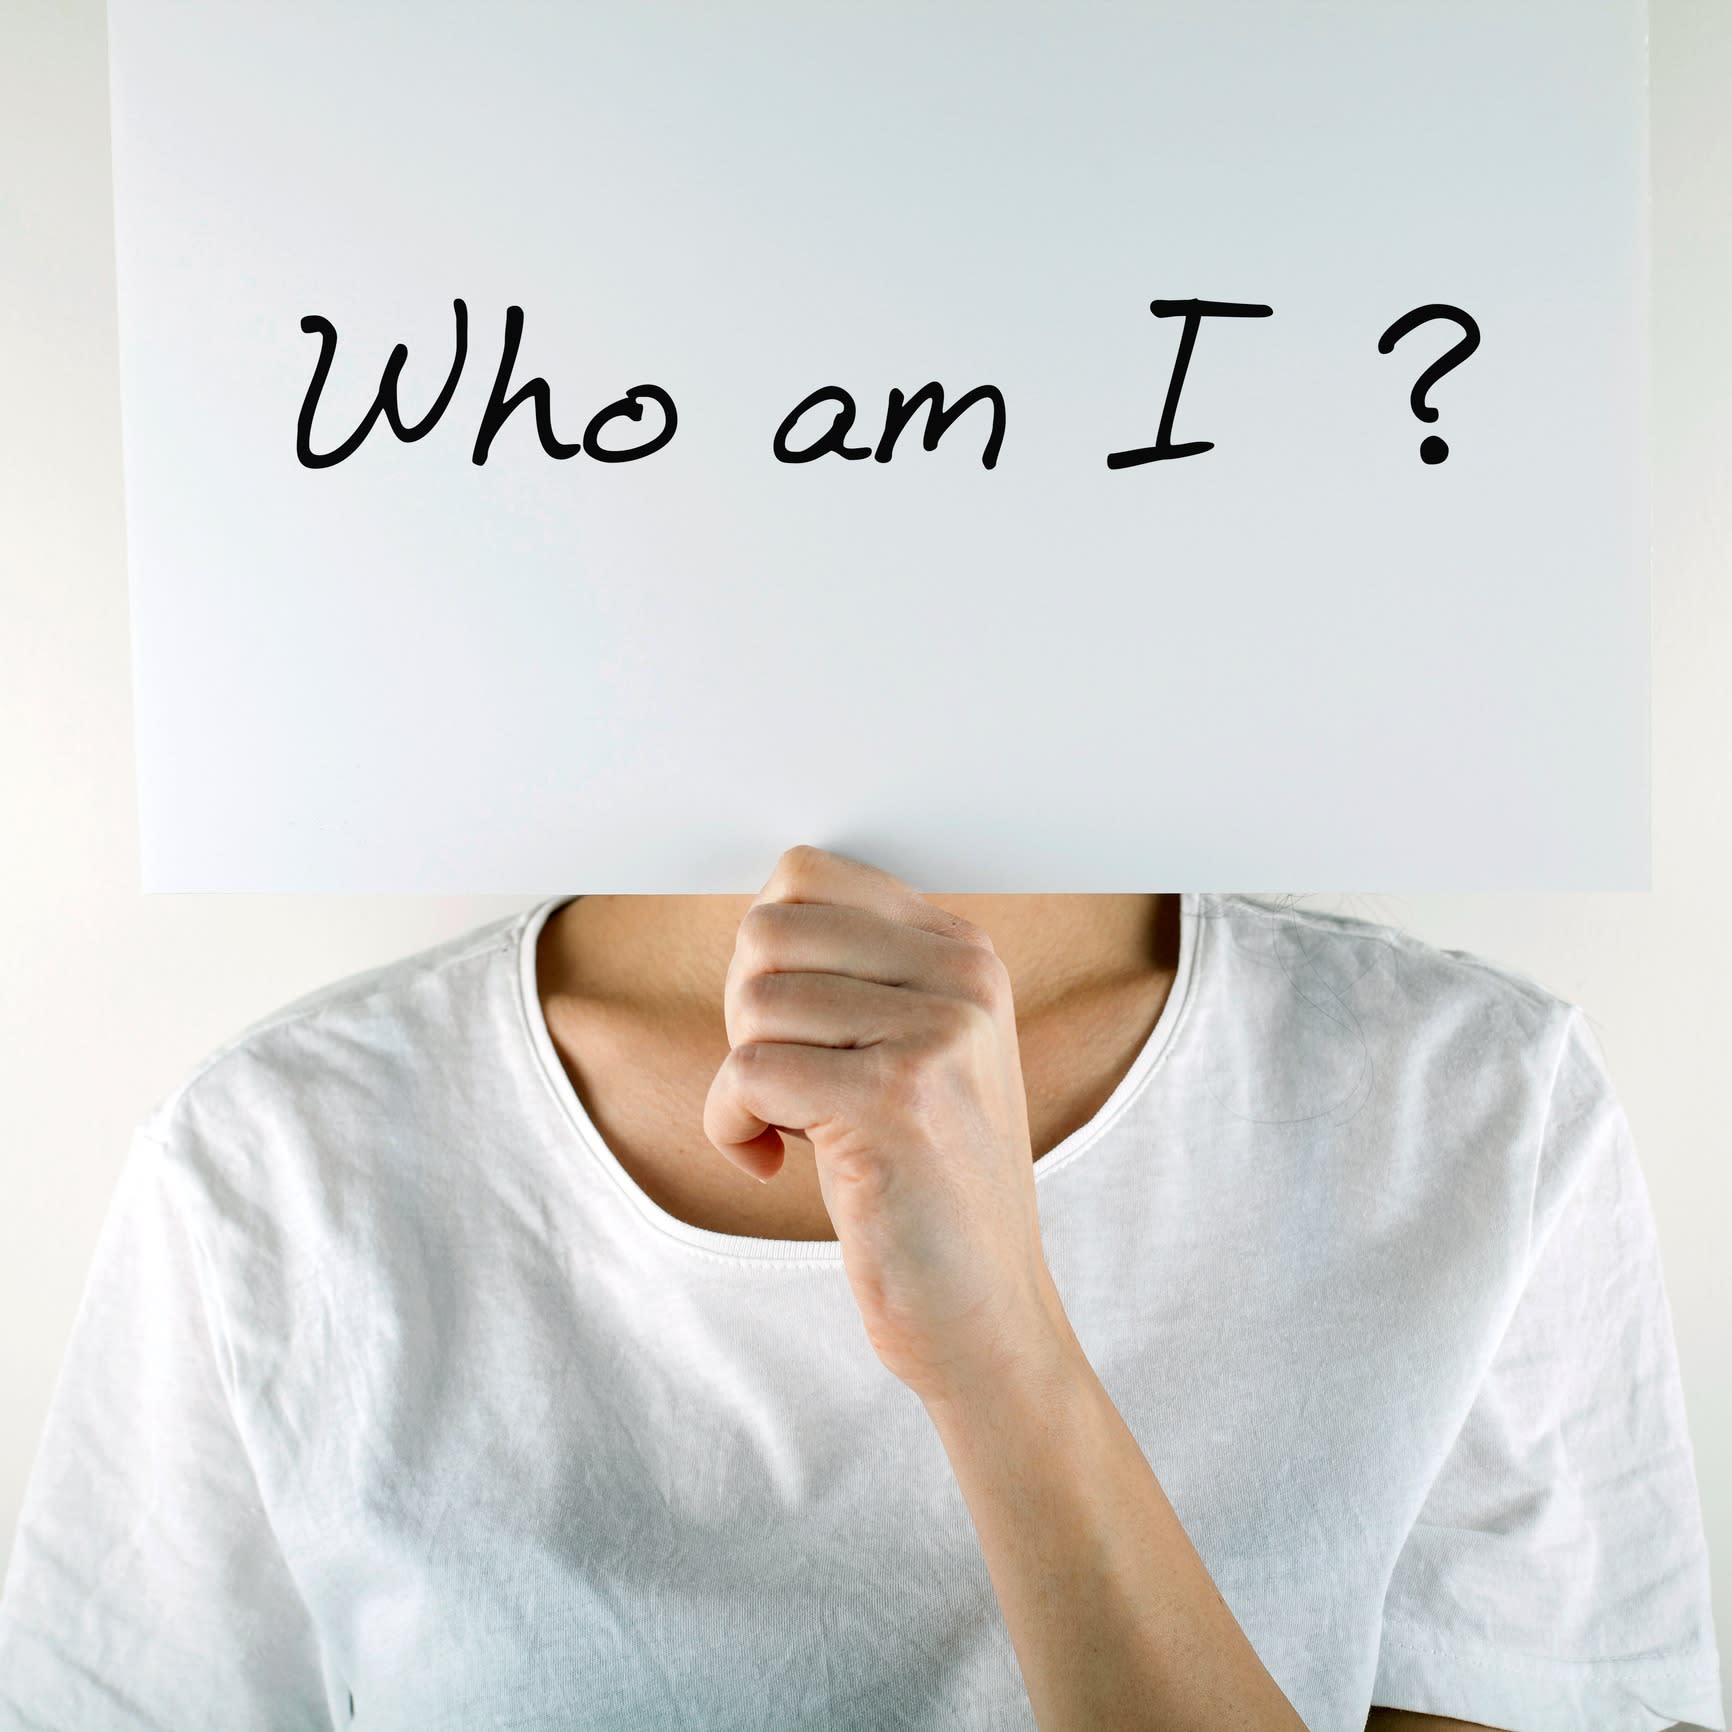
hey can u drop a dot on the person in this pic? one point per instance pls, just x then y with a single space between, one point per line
848 1307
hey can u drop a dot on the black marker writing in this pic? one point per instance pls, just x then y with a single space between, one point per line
898 413
1193 313
1434 449
834 437
498 410
629 407
499 407
938 419
384 401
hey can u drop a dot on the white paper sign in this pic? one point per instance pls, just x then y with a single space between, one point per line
1089 628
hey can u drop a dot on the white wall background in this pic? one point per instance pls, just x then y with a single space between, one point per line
108 997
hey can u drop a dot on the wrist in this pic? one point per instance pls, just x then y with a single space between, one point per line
1041 1365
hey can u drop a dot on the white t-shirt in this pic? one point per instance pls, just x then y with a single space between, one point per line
394 1402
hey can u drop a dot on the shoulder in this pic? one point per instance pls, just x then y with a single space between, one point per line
1355 1010
331 1161
356 1056
1284 931
1253 936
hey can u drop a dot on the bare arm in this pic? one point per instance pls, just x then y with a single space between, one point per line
1114 1618
882 1029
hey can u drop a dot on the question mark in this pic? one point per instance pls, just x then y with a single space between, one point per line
1433 449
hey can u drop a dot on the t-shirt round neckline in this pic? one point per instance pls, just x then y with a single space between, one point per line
742 1247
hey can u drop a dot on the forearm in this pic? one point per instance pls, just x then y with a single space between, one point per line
1114 1618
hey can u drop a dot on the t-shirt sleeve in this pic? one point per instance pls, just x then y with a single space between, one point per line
146 1588
1556 1578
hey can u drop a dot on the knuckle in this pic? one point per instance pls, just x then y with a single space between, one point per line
917 1075
799 865
983 975
955 1021
760 930
900 1064
966 932
972 1026
756 989
947 1028
759 918
858 1168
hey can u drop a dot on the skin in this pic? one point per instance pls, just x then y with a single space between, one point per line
867 1084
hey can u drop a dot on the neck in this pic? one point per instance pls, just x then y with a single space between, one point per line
673 952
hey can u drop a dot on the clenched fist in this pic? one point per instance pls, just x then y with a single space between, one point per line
880 1027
